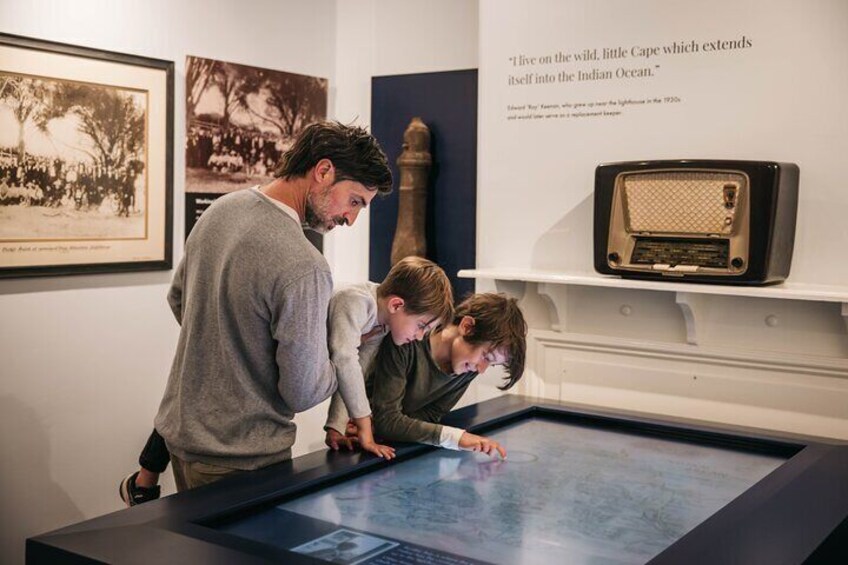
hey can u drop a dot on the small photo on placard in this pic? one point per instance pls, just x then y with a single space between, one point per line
345 547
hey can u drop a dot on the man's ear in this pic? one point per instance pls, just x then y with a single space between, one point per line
466 326
395 304
325 172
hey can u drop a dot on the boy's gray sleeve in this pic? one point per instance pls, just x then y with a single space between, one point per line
299 325
391 371
175 293
348 314
338 417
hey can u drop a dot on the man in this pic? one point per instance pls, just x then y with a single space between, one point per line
251 295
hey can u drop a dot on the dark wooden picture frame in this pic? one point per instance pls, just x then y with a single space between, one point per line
86 160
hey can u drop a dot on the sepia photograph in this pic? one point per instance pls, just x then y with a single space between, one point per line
345 547
239 121
85 160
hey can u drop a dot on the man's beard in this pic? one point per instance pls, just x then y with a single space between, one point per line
315 219
313 222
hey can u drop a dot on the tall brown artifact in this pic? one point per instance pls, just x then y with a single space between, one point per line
414 164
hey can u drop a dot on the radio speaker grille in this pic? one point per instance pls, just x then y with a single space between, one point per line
682 202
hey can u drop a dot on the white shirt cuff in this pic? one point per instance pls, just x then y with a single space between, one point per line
449 437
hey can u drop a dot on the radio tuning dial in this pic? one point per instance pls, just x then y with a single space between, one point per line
730 191
737 262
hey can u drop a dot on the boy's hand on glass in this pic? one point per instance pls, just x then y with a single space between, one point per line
365 437
334 439
471 442
384 451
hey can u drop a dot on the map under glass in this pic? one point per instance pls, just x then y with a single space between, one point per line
565 494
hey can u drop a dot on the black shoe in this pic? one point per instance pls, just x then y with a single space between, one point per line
133 494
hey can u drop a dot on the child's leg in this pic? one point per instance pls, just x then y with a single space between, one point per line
142 485
153 460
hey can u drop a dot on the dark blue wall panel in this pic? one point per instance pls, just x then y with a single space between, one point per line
447 103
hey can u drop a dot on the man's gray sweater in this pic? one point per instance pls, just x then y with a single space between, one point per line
251 294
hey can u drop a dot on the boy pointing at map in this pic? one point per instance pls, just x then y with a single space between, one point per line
414 385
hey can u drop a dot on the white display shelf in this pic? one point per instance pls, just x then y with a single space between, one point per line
787 290
689 296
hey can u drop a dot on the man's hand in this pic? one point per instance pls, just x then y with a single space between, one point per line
334 439
471 442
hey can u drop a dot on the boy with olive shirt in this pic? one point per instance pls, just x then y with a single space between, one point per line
414 385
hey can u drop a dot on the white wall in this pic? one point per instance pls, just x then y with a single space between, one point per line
376 38
390 37
779 99
85 359
751 361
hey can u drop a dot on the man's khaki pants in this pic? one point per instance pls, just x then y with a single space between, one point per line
193 474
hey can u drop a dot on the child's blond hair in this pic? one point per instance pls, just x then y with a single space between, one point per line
423 286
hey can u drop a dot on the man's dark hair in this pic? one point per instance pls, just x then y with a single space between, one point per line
354 152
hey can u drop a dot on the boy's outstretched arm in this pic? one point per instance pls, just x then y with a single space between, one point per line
467 441
347 317
345 321
472 442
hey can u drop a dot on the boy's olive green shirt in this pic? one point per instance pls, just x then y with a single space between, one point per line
409 393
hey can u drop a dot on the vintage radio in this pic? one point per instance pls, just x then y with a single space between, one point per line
729 222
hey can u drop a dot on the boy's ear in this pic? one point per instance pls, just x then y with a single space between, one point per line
395 304
466 326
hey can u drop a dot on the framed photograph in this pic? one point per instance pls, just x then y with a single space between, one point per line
86 160
239 121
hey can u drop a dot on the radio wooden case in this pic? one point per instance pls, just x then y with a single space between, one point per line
730 222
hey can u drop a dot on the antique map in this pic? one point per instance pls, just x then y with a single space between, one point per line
565 493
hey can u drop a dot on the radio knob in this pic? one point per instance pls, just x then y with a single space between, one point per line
614 258
737 262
